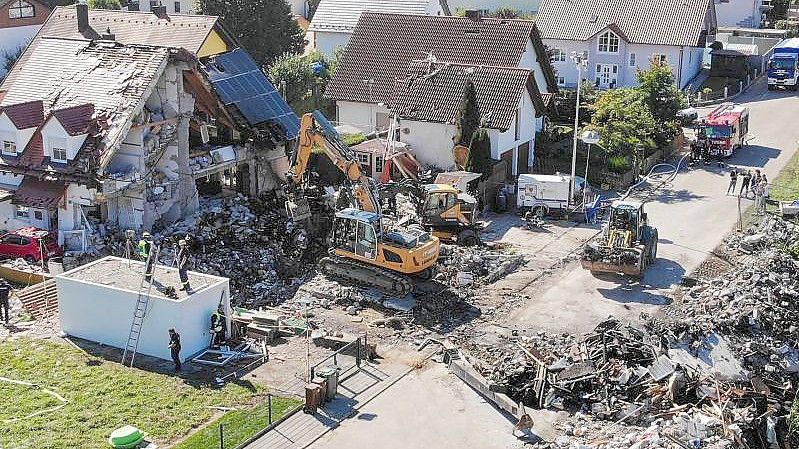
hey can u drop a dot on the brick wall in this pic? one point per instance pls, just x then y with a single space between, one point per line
41 12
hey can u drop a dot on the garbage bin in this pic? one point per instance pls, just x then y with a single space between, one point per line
330 374
313 398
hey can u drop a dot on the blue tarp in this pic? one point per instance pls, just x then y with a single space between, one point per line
238 81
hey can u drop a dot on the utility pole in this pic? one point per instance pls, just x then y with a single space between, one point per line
581 61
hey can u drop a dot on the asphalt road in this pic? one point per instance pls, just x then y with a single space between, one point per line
692 215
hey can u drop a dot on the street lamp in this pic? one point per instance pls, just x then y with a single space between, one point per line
590 137
581 61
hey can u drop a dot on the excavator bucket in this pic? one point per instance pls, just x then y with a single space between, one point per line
298 209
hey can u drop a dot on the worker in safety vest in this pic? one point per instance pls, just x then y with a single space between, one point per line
145 248
218 327
183 264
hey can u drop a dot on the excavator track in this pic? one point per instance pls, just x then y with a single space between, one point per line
391 283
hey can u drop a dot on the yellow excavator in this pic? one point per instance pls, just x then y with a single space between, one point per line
364 249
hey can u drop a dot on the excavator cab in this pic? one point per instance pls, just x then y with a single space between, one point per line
450 214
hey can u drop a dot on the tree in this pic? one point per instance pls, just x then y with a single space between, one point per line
7 60
295 76
663 100
104 4
480 153
506 13
265 28
624 122
468 119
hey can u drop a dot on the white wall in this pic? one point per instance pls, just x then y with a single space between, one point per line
9 132
627 74
492 5
431 142
360 115
530 61
14 37
738 13
52 131
327 41
103 314
298 7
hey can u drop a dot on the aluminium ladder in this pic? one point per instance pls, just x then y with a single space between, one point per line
143 300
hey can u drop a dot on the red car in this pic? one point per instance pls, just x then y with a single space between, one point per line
30 244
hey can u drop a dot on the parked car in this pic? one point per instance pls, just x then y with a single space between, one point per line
29 244
687 116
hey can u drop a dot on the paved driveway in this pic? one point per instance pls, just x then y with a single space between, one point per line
692 216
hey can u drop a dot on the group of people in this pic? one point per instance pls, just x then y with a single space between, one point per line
756 184
145 249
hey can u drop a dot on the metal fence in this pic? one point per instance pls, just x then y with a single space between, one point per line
728 93
349 357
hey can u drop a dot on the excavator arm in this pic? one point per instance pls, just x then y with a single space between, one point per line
317 132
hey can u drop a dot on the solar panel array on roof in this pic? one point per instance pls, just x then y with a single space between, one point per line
238 81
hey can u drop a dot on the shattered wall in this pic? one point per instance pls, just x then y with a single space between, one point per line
156 155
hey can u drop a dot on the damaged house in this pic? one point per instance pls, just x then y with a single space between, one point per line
416 67
106 130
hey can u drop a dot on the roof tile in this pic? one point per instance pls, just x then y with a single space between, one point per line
29 114
656 22
434 92
75 120
383 45
343 15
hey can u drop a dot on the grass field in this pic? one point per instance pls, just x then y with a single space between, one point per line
102 396
785 186
239 425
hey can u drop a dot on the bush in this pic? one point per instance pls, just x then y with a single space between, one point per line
353 139
619 164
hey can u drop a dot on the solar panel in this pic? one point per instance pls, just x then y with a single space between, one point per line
238 81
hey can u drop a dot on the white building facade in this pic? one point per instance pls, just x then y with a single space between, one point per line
621 37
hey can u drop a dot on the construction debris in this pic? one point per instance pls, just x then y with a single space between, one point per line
718 369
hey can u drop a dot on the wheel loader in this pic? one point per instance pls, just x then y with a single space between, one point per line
627 244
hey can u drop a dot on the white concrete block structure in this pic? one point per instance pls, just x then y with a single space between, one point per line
96 302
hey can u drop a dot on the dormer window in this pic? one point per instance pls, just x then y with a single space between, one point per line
58 149
20 9
608 42
9 148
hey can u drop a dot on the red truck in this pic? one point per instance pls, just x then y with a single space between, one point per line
724 130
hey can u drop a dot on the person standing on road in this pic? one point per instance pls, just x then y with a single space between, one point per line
764 193
174 347
733 181
745 183
758 193
5 292
756 179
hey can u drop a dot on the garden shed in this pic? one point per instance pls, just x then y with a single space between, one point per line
96 302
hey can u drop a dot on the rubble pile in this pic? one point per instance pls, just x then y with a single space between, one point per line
249 241
474 266
718 369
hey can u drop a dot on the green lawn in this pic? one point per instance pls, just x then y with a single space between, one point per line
102 396
239 425
786 186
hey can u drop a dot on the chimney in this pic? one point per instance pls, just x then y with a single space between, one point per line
474 14
159 11
83 16
108 35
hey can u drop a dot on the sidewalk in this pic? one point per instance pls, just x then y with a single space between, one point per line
354 391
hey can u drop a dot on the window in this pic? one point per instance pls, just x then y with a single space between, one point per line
659 60
154 3
20 10
38 215
177 7
378 164
561 81
23 212
632 59
59 154
363 159
558 55
609 43
9 147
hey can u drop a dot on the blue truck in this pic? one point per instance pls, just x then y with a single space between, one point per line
783 65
